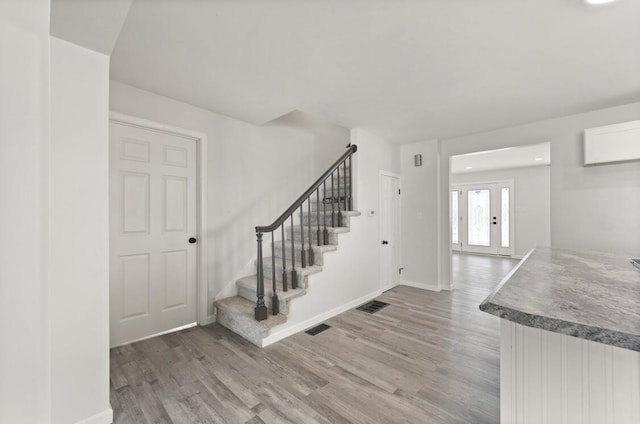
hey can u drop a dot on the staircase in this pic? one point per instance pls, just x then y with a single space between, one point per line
296 244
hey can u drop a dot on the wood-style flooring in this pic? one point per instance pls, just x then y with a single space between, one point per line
426 358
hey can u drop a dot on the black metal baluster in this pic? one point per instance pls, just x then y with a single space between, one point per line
333 198
275 305
344 173
303 253
284 262
311 258
318 215
339 201
261 308
324 213
350 184
294 274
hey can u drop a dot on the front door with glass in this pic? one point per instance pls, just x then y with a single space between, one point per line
481 218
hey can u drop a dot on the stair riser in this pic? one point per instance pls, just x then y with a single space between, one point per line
298 257
251 296
327 206
242 325
333 237
327 221
333 193
335 178
302 281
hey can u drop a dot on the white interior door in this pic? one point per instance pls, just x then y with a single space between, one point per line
389 230
153 215
482 218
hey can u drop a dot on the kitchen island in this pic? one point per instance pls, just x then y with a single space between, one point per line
570 338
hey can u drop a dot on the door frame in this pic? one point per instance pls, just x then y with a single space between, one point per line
510 182
202 286
399 178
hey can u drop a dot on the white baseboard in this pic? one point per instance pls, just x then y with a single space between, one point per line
425 286
104 417
296 328
210 320
173 330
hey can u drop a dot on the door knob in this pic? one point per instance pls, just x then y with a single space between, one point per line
192 240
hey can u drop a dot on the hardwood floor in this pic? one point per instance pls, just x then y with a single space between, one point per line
426 358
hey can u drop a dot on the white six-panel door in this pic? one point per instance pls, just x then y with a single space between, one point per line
389 230
152 217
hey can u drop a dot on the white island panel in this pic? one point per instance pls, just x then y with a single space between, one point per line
547 377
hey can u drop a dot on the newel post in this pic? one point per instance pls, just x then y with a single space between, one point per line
261 308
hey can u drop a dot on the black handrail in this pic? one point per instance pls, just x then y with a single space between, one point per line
322 237
278 222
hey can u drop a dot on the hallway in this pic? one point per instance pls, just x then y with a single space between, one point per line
428 357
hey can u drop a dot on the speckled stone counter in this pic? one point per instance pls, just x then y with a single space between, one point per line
581 293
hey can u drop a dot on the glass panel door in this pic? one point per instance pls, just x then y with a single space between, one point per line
479 211
482 218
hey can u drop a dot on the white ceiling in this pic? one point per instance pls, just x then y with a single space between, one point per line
92 24
406 70
510 157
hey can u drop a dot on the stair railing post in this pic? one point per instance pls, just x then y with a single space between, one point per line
294 273
318 215
275 305
311 260
333 199
261 308
324 213
284 261
339 201
303 253
350 184
344 175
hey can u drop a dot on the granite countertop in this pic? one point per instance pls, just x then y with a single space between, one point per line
581 293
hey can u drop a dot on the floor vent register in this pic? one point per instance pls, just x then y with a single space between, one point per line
372 307
318 329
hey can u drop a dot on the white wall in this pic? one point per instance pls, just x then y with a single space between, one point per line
420 214
532 210
24 116
79 234
593 207
254 172
350 275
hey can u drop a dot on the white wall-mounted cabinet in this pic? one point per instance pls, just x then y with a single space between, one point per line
612 143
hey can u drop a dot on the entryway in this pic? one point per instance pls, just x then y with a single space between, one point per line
500 200
481 217
153 231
